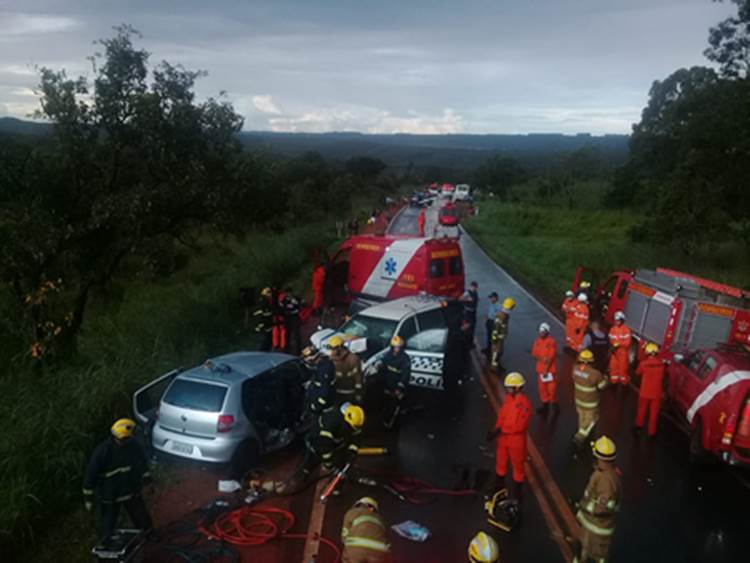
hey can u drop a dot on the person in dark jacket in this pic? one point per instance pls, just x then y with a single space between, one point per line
597 341
470 300
114 478
333 440
321 393
396 368
263 317
291 308
456 359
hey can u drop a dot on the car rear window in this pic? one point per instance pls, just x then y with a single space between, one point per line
455 266
437 268
195 395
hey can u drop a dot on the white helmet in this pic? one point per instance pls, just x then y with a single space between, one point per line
544 327
570 293
619 316
583 298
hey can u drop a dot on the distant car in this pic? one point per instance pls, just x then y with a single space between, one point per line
422 321
242 404
418 199
448 216
462 192
433 190
447 189
709 389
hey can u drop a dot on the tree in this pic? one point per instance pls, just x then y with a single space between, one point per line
729 43
132 164
365 167
499 173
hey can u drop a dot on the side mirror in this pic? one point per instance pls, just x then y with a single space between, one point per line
678 357
358 346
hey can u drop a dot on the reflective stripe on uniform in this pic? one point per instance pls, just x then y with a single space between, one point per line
587 404
585 388
593 528
115 471
367 518
354 447
321 400
367 543
88 491
123 498
326 434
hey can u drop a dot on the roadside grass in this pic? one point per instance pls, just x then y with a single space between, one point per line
543 246
52 420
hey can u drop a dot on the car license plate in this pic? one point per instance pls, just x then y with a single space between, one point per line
182 448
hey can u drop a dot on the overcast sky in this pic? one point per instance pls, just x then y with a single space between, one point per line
417 66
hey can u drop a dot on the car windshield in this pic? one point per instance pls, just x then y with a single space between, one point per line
374 329
195 395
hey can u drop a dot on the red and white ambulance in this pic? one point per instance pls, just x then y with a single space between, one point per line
372 268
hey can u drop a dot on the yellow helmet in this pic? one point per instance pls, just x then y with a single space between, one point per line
265 292
397 342
483 549
355 416
585 284
123 428
335 342
368 501
586 356
509 303
652 348
514 379
604 448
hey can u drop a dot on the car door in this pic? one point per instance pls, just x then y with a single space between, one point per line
426 349
146 400
694 378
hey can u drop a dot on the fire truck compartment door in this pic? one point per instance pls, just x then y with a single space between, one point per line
635 310
710 329
657 317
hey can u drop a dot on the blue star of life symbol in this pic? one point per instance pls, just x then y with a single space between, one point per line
390 267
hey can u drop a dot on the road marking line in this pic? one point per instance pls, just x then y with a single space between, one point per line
536 464
315 527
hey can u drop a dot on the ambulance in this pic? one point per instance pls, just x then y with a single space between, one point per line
369 269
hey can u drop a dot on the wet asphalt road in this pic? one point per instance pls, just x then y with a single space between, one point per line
671 511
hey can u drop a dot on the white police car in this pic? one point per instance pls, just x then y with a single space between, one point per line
421 320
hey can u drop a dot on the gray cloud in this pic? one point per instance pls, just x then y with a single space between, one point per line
419 66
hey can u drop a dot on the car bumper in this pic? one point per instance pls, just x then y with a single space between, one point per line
214 450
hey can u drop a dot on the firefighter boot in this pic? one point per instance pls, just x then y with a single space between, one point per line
497 485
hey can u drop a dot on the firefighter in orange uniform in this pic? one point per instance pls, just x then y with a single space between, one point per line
544 351
421 219
318 287
651 370
512 424
578 323
568 307
619 341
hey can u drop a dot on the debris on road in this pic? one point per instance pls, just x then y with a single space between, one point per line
411 531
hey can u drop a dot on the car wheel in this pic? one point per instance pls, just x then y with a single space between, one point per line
245 458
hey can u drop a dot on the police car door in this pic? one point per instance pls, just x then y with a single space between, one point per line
426 349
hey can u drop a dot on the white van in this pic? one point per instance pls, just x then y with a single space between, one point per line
462 192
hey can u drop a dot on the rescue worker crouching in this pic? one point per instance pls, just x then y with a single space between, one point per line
396 368
512 425
263 317
114 478
500 332
364 534
333 439
588 382
597 509
348 369
483 549
321 394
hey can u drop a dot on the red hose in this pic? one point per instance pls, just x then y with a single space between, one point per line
258 526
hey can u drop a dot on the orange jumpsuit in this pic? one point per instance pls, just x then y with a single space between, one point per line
318 284
619 340
650 395
421 221
513 422
544 351
567 308
576 327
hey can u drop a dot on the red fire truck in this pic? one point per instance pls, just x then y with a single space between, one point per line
678 311
371 268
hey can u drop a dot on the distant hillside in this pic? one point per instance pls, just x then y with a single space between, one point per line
447 152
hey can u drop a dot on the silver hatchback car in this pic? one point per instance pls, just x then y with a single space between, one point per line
234 406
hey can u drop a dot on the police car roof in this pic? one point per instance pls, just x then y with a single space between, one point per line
236 366
403 307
